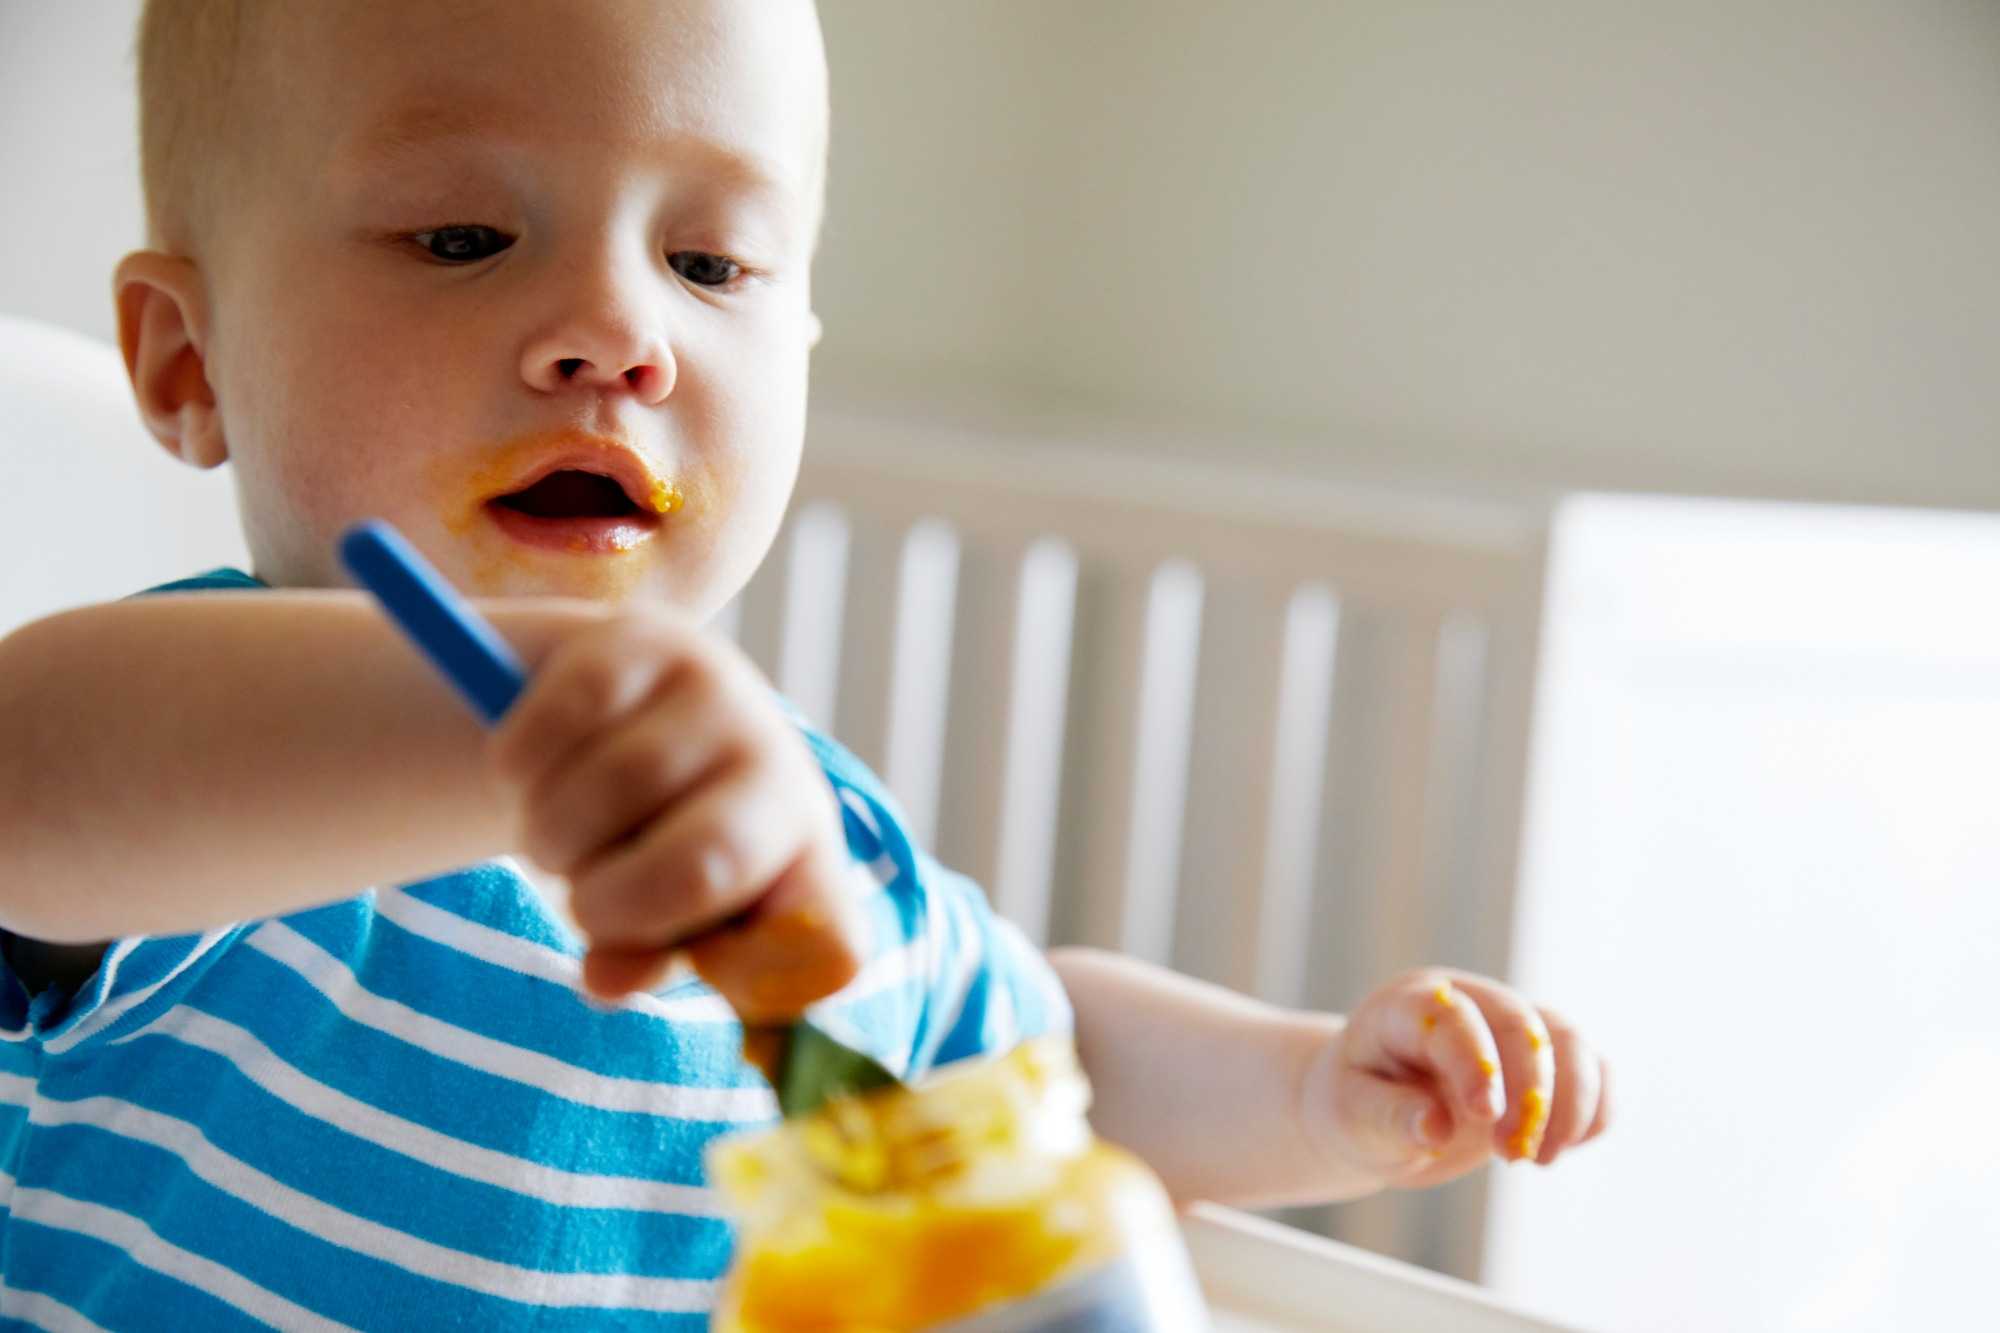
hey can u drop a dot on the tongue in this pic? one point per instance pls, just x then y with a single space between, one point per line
571 494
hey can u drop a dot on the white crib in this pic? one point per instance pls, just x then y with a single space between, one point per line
1269 732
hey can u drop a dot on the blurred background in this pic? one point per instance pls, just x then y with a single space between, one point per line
1683 317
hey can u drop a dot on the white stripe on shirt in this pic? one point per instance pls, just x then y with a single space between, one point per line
386 1244
145 1247
447 1041
44 1311
489 1166
529 959
112 1010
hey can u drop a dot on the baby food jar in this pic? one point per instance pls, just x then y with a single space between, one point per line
978 1202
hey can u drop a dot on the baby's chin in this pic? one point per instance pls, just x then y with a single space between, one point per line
613 579
478 569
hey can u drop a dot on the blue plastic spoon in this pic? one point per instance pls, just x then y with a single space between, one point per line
809 1066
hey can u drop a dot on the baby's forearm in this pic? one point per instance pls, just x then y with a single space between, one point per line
176 762
1204 1084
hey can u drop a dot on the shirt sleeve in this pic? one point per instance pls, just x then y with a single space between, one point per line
138 978
947 977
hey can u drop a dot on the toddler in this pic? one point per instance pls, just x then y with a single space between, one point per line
291 1036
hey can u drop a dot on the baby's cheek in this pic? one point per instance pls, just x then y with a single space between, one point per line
299 495
734 506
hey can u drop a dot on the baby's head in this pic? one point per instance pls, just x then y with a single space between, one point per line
410 258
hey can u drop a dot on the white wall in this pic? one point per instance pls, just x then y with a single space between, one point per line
1731 245
69 157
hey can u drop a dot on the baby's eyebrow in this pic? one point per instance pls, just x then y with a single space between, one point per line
423 128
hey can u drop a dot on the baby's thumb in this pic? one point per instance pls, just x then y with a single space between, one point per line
1391 1124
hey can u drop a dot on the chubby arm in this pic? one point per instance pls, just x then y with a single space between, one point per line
1204 1084
1434 1074
180 761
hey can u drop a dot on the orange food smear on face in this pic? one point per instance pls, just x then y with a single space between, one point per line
464 493
1487 1067
459 494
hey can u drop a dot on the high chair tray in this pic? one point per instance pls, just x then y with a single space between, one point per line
1261 1277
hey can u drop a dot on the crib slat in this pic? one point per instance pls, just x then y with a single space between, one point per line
1230 775
868 639
985 610
1038 715
1407 835
1272 936
1137 760
1098 821
808 666
919 685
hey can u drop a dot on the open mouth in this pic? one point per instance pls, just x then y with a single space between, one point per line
568 493
576 511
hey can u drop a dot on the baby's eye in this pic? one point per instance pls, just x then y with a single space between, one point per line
704 269
462 244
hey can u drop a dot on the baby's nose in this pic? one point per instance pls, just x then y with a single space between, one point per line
602 360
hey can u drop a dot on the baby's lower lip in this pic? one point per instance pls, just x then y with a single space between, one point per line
599 534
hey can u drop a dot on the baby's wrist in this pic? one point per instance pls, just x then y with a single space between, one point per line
1336 1157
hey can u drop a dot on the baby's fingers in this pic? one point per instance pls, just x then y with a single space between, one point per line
590 680
1603 1116
1579 1086
1527 1062
804 941
1393 1127
696 866
747 875
1424 1023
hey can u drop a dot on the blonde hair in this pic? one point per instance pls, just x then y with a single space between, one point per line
197 68
190 56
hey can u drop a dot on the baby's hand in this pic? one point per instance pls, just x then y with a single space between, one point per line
1437 1070
655 771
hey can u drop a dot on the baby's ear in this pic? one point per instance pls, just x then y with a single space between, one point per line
162 330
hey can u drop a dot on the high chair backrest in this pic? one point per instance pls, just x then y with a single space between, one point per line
1270 731
91 508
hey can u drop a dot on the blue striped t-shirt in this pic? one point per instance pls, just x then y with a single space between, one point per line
397 1112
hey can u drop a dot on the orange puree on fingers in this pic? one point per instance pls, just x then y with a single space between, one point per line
1527 1140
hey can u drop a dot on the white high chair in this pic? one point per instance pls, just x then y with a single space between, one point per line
92 509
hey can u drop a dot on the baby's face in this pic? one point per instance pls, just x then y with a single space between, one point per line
544 250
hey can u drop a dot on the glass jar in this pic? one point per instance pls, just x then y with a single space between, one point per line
979 1201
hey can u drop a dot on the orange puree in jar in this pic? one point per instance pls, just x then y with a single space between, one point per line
981 1192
